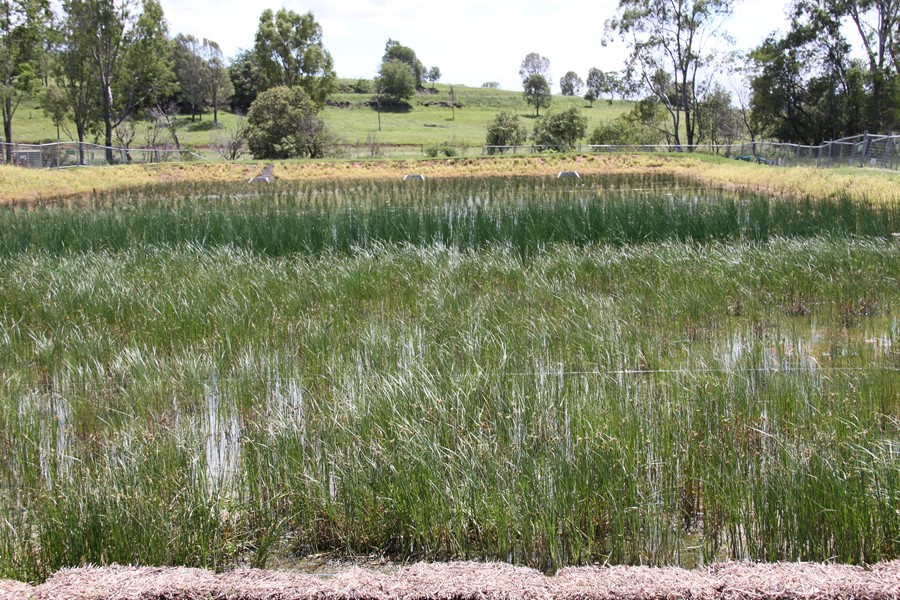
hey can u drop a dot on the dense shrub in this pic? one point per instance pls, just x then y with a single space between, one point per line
505 129
283 123
625 130
562 128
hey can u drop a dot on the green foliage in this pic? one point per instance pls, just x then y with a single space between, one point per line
651 115
571 84
445 148
600 84
283 123
534 64
537 92
192 72
505 129
396 81
220 87
625 129
432 75
667 38
202 78
247 78
794 103
55 104
561 128
146 72
125 57
76 78
23 26
362 86
719 123
394 50
290 53
825 31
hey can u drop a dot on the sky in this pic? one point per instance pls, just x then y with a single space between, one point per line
471 41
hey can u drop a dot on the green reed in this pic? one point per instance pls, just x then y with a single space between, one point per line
528 214
207 403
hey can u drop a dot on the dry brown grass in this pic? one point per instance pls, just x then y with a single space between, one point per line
475 581
879 186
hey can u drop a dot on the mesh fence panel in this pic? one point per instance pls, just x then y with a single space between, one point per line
72 154
880 151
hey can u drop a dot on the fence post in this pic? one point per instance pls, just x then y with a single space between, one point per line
865 149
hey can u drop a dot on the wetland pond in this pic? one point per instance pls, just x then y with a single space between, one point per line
548 372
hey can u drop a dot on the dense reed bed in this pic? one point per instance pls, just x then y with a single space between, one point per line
465 214
201 377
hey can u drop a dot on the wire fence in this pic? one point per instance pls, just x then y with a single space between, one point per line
880 151
73 154
862 151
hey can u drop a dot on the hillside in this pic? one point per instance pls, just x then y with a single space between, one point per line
429 120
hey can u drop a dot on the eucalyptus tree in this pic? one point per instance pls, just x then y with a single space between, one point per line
191 72
571 84
220 87
75 78
289 51
537 92
535 64
673 37
125 49
603 83
23 24
247 80
394 50
840 29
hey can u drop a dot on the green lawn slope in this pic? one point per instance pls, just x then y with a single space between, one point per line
350 116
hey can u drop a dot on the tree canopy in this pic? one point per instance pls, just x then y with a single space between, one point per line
394 50
534 64
563 128
283 123
247 78
289 52
395 81
537 92
808 86
571 84
505 129
603 83
125 50
22 26
671 38
191 71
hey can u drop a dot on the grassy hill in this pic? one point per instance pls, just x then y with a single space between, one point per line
429 120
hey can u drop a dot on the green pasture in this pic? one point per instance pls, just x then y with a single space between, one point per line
548 372
357 125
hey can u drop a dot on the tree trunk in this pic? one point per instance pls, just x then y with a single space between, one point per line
107 122
7 127
80 132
